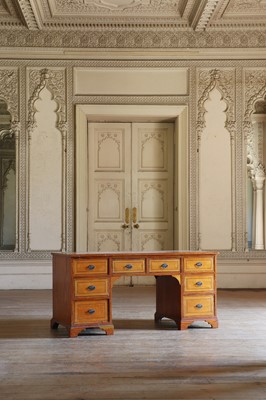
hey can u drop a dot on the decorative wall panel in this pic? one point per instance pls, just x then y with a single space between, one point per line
216 158
46 160
131 81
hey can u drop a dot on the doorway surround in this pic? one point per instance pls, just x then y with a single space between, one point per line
133 113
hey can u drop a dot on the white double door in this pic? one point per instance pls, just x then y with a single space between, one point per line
130 188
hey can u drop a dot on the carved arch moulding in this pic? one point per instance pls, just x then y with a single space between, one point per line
53 79
255 91
9 81
224 80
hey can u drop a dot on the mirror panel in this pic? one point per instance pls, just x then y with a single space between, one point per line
7 181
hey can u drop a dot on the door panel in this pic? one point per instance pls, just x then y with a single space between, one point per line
109 185
130 186
152 186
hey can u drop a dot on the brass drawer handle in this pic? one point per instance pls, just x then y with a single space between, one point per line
199 283
199 306
91 287
91 267
198 264
128 266
91 311
164 266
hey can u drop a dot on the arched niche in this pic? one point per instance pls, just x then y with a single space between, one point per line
256 161
8 180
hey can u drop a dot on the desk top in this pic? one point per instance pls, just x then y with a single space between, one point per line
137 253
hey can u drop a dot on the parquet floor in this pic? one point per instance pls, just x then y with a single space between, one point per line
141 360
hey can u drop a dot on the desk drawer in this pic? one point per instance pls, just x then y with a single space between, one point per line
198 264
198 305
89 266
90 311
198 283
91 287
164 265
128 266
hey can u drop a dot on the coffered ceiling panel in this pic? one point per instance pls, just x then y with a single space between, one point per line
133 23
184 14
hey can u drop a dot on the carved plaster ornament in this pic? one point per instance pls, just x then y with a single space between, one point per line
7 138
223 79
255 103
246 5
260 171
119 4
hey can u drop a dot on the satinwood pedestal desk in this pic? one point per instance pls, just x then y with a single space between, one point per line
82 287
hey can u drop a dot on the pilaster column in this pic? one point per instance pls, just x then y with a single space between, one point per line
258 185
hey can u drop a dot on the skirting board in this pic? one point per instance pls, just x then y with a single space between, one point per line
38 275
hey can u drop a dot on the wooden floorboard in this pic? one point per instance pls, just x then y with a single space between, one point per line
141 360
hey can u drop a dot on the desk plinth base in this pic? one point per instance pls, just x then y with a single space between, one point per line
73 331
184 324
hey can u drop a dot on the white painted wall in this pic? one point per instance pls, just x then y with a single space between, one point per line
215 197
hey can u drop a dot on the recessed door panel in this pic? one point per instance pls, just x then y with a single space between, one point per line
109 185
152 186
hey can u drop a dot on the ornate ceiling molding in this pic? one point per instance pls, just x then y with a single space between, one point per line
133 38
202 14
29 14
197 15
